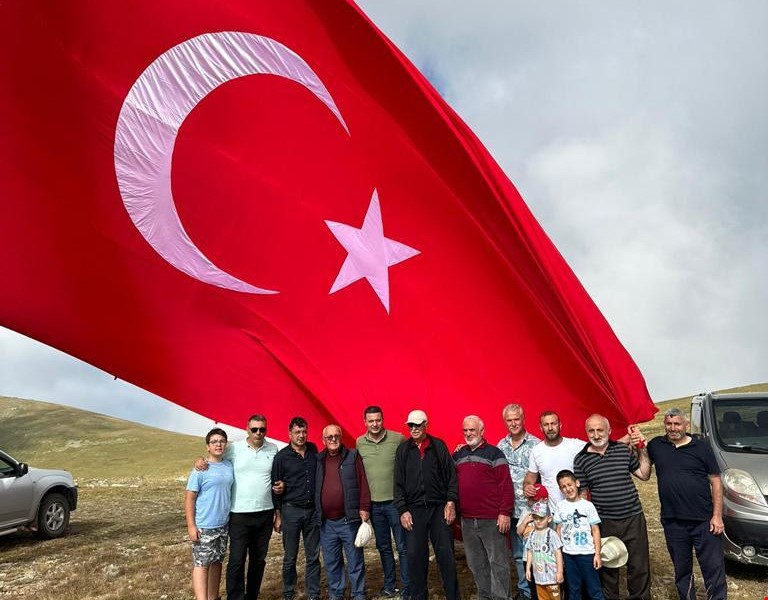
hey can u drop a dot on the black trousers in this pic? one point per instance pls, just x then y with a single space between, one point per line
429 526
683 537
249 535
633 531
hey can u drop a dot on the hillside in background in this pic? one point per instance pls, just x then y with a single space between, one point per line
95 446
90 445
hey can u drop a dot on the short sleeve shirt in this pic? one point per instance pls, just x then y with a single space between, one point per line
543 544
518 460
682 474
548 461
252 491
577 519
609 479
213 487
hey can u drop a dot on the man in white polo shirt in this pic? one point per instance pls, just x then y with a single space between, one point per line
252 513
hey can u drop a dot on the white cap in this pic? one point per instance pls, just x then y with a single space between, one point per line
416 416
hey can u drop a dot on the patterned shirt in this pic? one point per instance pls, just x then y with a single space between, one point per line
544 544
577 519
518 460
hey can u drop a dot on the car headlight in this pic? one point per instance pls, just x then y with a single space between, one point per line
740 485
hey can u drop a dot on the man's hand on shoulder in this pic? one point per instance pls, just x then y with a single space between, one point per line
201 464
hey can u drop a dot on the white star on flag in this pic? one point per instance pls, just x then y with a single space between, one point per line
369 253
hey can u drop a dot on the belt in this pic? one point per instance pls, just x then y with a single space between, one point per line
307 504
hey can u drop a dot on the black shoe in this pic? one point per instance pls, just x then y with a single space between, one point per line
389 593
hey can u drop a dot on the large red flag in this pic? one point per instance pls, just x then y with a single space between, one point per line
264 207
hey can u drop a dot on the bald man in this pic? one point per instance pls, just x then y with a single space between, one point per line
605 469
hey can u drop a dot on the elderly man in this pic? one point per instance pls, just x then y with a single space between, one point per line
342 502
485 498
425 495
377 448
295 468
691 494
517 446
550 456
605 469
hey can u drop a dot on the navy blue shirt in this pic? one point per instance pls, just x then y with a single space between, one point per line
683 474
298 473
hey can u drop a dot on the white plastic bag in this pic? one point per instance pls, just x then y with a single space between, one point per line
364 534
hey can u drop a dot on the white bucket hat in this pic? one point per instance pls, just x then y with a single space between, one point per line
613 553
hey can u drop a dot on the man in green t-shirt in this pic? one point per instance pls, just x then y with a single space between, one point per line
377 448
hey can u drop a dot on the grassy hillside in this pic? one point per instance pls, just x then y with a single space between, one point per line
656 427
90 445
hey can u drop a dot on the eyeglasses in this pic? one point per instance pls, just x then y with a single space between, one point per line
416 425
218 442
333 437
258 430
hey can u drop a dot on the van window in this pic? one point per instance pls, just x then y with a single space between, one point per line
742 421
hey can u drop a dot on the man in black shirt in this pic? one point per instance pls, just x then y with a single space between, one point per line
691 494
295 467
425 494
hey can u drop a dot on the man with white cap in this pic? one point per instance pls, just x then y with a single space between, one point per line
425 494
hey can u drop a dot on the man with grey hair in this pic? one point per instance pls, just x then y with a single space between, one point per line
485 498
605 468
517 446
691 495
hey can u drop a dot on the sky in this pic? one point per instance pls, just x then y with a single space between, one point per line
637 134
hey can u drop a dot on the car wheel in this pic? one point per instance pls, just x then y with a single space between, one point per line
53 516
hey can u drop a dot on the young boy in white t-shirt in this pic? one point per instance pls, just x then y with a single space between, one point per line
577 524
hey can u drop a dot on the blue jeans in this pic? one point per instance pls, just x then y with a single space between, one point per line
297 523
580 573
336 535
518 549
682 538
386 524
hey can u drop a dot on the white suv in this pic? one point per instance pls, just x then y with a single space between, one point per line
38 499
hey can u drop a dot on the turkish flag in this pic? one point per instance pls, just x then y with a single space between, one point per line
263 207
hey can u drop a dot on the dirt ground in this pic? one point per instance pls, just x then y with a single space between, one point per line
126 541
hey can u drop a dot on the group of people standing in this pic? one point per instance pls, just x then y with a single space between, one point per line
540 507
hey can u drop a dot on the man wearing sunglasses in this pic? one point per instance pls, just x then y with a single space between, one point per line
252 513
425 494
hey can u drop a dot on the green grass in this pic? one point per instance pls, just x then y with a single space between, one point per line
90 445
